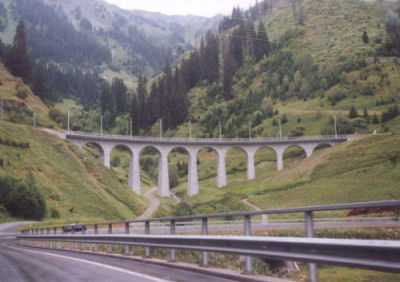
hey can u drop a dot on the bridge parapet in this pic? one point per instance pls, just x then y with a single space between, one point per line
205 141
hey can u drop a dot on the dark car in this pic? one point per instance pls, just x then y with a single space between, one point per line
74 228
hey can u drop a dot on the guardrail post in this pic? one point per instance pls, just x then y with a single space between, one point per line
172 232
110 247
96 231
309 226
247 232
62 242
83 233
204 231
126 232
48 243
147 232
55 242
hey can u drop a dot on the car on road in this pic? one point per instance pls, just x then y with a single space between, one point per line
74 228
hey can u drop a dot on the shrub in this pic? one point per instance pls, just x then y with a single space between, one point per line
116 161
22 199
22 94
173 178
391 113
58 116
54 213
336 97
298 131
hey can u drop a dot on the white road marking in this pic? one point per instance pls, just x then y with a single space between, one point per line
93 263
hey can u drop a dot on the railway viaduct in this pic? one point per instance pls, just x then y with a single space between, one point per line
192 146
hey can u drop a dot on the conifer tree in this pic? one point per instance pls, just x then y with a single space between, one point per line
229 72
353 113
39 88
211 59
366 115
236 45
365 37
375 119
119 92
262 46
106 99
135 114
17 59
142 94
251 37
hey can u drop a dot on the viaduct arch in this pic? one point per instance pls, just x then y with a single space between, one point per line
164 146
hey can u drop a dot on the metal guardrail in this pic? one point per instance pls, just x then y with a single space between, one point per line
44 233
140 139
371 254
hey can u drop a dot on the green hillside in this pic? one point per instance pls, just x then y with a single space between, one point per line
75 185
314 70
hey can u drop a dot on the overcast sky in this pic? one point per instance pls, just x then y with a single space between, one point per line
183 7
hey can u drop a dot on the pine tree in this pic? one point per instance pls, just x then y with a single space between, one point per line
119 92
353 113
366 115
39 88
251 37
375 119
365 37
229 72
236 45
300 14
142 94
262 46
211 59
135 115
17 59
106 99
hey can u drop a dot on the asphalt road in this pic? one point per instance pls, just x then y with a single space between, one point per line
28 264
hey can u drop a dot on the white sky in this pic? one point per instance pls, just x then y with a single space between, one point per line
183 7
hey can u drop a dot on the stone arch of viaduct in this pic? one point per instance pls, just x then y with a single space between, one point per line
164 146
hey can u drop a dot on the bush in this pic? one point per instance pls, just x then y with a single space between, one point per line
54 213
298 131
173 178
58 116
22 94
22 199
336 97
391 113
116 161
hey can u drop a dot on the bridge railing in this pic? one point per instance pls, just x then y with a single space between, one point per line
226 140
319 249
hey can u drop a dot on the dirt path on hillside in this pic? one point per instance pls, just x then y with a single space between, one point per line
304 167
54 132
154 204
175 197
264 216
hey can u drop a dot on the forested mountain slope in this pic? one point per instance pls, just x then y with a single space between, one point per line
77 43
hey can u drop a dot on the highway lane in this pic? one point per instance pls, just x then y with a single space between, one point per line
31 265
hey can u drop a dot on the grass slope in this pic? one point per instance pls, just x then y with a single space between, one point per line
361 170
13 89
74 184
